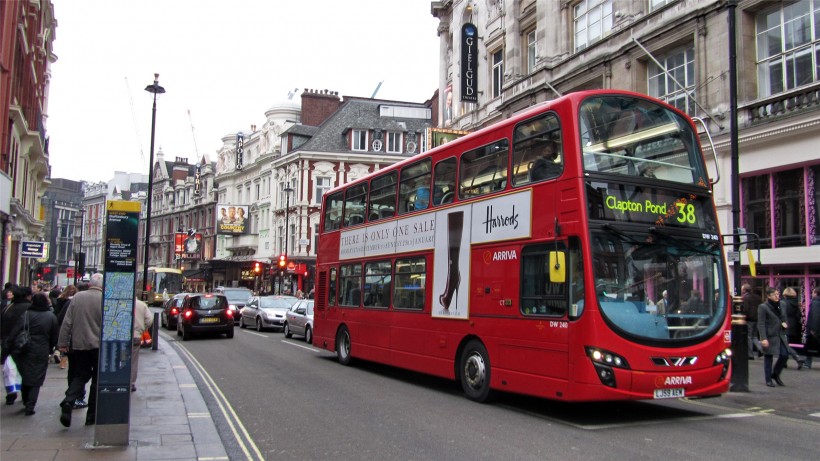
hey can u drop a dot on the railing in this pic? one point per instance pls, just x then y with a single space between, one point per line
782 104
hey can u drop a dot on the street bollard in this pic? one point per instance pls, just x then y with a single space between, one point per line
740 354
155 332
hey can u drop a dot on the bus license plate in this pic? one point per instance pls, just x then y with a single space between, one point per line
669 393
216 320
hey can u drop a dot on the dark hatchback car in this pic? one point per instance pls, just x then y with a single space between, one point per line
170 311
205 313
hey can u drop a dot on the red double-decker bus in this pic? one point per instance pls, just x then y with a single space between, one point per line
570 252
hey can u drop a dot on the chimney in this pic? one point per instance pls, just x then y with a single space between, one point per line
318 105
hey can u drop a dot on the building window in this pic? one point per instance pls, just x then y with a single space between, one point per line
658 4
679 65
257 192
498 72
531 51
593 21
789 209
359 138
323 184
393 142
786 47
315 238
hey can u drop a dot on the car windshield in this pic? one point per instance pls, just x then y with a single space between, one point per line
658 285
277 303
237 295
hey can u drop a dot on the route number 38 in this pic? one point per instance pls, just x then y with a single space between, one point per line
686 213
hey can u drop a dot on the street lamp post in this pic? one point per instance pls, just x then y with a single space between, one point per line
287 190
79 261
155 89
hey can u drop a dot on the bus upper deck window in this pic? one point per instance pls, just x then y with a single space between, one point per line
484 170
414 189
537 150
333 211
444 181
382 197
355 201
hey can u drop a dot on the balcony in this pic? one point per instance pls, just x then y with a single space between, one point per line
779 106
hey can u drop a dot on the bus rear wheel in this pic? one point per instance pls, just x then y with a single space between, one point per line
474 371
343 346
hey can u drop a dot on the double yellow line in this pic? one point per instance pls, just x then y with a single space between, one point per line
243 439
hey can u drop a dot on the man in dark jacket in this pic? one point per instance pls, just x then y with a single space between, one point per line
82 326
750 302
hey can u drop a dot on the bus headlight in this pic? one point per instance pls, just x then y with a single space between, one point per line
604 361
724 358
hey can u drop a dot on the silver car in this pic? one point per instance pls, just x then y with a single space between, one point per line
265 311
299 320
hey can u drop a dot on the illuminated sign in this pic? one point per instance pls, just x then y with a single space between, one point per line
469 63
655 207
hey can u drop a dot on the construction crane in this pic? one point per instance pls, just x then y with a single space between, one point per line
196 150
134 120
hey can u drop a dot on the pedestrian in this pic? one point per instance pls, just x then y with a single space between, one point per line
813 327
82 328
750 302
6 295
771 326
80 402
794 321
19 304
53 294
32 361
60 308
143 320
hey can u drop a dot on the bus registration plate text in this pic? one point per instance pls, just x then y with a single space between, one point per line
669 393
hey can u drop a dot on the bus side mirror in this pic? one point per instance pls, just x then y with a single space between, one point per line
558 267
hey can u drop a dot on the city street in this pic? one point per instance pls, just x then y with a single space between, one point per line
279 398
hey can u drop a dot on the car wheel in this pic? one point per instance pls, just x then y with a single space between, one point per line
162 322
242 322
186 335
343 346
308 335
474 371
286 330
259 325
229 333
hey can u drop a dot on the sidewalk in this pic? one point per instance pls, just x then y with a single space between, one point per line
798 398
169 419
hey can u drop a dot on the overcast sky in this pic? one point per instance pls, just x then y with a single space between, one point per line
225 61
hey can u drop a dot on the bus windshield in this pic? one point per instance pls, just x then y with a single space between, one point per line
658 286
171 282
636 137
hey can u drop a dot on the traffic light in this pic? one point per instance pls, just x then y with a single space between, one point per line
257 268
283 262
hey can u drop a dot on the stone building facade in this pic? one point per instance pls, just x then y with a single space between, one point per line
529 51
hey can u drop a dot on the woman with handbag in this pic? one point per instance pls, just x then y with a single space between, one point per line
39 325
17 305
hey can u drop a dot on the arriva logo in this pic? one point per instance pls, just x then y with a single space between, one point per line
503 255
677 380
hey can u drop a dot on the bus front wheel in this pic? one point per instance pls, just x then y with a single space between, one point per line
474 371
343 346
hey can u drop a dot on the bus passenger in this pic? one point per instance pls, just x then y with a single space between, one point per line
548 164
